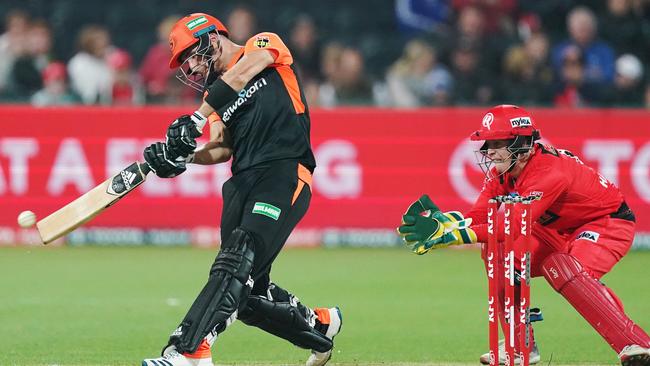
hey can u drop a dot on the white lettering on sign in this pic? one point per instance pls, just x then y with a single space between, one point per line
641 172
609 154
339 175
462 158
19 151
70 167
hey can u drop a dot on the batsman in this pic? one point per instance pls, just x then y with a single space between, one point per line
581 228
258 116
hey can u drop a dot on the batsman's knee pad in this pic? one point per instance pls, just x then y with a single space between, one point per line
228 288
281 314
593 300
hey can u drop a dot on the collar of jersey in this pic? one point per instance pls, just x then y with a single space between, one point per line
236 58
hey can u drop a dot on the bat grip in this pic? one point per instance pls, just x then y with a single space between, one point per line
145 168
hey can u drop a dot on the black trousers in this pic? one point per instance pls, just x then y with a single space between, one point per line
268 203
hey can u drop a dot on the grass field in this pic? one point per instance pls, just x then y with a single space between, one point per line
115 306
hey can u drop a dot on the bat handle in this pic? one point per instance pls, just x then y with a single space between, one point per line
145 168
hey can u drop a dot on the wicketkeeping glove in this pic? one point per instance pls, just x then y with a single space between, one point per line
424 227
161 162
182 134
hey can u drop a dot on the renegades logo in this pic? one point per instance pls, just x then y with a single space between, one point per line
262 41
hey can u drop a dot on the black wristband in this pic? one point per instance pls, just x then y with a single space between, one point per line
220 94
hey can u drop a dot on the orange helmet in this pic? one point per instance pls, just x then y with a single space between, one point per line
186 33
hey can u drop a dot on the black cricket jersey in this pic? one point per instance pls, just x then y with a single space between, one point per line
269 120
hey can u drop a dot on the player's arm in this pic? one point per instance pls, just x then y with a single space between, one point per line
218 149
547 185
225 89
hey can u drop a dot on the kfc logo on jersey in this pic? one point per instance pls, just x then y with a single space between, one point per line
592 236
487 120
521 122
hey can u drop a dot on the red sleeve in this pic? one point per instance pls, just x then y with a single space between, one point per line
478 212
547 184
270 42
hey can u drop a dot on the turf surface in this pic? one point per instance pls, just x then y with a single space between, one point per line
115 306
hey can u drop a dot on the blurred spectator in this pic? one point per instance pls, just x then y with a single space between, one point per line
154 70
25 78
12 43
417 79
414 16
470 31
624 29
90 75
498 14
55 91
241 24
598 56
126 88
528 77
574 89
346 80
472 83
628 83
305 48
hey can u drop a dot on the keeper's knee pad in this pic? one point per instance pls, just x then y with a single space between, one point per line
593 300
228 287
281 314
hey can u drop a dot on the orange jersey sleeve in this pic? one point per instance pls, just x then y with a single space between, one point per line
271 42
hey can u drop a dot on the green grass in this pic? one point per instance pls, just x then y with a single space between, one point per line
115 306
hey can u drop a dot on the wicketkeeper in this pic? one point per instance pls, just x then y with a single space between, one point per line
259 117
581 225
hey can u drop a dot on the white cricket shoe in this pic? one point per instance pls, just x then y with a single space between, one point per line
533 357
635 355
171 357
334 327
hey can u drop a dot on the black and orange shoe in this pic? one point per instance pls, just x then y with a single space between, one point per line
328 322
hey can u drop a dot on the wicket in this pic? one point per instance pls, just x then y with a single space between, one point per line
504 280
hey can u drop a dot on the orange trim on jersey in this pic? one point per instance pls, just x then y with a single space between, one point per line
202 352
291 83
304 177
270 42
323 315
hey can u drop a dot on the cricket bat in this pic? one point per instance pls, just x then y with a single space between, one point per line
92 203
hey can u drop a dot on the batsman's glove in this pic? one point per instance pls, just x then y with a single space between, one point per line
161 161
424 227
182 134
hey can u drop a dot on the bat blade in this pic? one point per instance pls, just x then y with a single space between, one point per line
91 203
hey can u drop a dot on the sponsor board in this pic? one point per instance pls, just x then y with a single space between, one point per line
356 187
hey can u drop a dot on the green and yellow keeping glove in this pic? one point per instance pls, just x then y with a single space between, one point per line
424 227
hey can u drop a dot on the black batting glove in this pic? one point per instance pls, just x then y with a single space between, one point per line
161 162
182 134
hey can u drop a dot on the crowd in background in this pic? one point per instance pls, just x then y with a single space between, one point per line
430 53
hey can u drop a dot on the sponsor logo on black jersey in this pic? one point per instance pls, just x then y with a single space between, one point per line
244 96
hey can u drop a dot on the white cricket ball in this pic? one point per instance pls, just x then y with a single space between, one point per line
26 219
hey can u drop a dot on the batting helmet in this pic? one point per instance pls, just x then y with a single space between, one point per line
187 32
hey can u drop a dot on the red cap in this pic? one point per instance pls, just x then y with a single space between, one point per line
54 71
505 122
119 60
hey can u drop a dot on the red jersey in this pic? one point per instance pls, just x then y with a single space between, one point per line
568 193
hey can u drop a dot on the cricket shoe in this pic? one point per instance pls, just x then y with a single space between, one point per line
533 357
330 322
635 355
171 357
